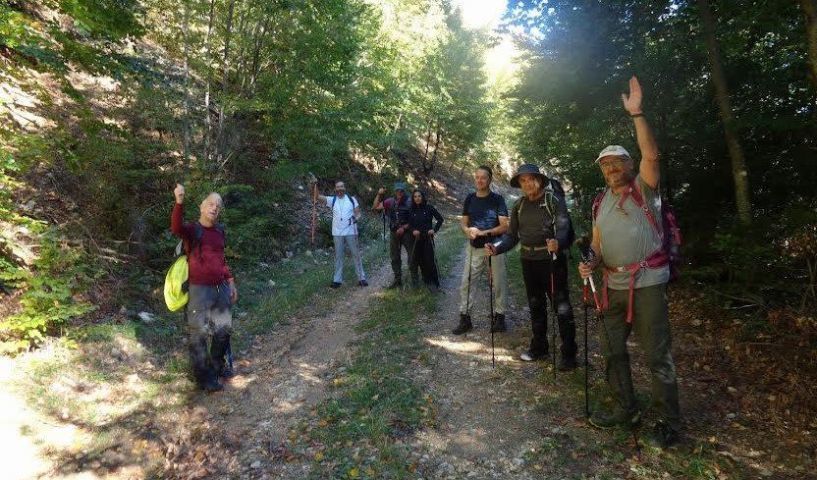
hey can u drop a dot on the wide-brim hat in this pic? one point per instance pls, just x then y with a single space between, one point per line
614 151
527 169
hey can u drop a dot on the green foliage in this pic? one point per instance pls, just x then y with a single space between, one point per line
110 19
567 108
50 298
14 30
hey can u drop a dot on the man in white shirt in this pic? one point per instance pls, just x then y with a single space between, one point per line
345 213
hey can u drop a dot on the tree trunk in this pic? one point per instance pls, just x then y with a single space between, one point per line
810 9
224 76
739 172
186 120
438 140
208 124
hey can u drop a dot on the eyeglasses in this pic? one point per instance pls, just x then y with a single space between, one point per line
613 162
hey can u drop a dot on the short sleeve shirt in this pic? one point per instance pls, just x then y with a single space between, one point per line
627 237
484 212
343 215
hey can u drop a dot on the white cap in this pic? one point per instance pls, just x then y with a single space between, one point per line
614 151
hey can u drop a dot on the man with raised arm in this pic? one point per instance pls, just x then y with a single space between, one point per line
345 214
211 289
627 247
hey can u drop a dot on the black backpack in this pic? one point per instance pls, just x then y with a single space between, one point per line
555 193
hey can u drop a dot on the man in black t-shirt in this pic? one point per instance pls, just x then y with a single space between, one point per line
484 218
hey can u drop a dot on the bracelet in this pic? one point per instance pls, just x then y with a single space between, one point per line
636 115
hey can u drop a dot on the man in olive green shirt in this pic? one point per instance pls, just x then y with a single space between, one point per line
627 244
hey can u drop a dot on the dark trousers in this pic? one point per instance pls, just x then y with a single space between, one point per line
536 274
208 317
424 259
652 329
395 244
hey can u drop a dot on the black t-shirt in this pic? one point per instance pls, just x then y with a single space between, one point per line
483 213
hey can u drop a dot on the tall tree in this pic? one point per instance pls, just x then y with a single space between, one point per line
740 174
810 10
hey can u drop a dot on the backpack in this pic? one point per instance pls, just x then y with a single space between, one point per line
552 195
355 204
670 244
176 279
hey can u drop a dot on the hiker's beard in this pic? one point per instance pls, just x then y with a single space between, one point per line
619 178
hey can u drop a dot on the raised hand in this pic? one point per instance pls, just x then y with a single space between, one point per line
178 192
632 102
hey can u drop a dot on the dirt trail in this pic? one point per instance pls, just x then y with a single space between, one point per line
279 379
492 420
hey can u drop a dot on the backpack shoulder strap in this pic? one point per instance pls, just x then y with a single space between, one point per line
597 203
638 198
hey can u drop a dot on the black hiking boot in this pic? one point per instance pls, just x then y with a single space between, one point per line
530 356
567 363
663 435
211 385
498 325
619 417
464 326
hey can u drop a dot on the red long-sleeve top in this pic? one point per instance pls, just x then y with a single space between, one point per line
206 263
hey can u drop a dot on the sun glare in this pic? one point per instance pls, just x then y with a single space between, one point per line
481 13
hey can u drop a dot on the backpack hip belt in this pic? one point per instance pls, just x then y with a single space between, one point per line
657 259
530 248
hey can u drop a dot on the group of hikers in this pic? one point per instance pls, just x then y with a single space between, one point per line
626 246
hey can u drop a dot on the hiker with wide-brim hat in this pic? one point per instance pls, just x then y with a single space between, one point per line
425 221
484 218
541 224
627 245
396 209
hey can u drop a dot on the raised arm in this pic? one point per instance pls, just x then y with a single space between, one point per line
650 168
378 200
316 195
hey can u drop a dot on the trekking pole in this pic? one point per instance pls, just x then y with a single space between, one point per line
555 311
434 256
587 257
468 287
411 257
491 316
314 181
585 301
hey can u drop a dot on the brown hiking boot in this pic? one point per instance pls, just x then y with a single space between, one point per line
464 326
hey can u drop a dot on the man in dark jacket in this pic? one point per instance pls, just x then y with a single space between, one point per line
540 222
212 289
396 209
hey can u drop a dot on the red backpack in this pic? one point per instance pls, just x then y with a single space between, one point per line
670 244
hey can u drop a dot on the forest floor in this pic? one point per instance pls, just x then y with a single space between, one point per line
370 383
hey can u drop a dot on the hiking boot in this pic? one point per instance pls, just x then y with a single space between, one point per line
498 325
212 385
619 417
464 326
227 372
529 356
567 364
363 283
335 285
397 283
663 435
